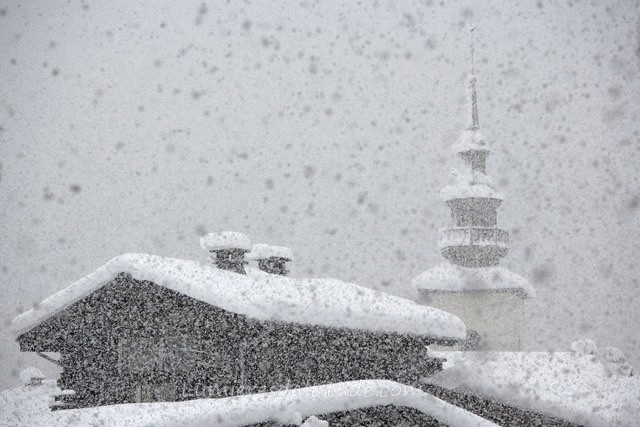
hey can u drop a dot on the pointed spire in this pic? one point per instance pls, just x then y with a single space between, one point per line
473 97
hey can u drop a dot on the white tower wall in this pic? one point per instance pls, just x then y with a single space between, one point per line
497 316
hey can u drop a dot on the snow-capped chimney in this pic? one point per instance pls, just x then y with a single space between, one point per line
227 250
31 376
271 259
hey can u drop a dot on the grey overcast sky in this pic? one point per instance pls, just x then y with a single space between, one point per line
131 126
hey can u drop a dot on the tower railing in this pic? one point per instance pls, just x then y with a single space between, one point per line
474 236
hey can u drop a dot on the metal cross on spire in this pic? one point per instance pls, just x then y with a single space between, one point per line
475 121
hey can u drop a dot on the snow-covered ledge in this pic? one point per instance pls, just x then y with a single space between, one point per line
287 406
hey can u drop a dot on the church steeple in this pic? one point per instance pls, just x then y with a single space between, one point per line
471 284
473 97
475 239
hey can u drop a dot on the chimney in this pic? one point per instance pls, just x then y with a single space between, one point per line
31 376
226 250
271 259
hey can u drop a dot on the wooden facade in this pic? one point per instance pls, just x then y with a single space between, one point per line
132 341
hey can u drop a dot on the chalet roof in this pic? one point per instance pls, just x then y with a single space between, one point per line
326 302
447 277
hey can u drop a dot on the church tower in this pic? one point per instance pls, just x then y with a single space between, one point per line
475 239
488 298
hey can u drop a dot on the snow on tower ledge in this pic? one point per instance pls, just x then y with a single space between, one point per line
451 192
448 277
225 240
470 140
261 296
465 183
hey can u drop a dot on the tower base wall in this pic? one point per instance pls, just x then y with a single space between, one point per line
498 316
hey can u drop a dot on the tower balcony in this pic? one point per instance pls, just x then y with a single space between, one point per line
482 236
474 246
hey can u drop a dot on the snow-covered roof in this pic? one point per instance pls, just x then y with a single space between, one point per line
225 240
449 277
464 191
28 407
571 386
261 251
326 302
470 140
463 183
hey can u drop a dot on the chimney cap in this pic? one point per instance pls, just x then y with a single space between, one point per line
29 374
225 240
263 251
